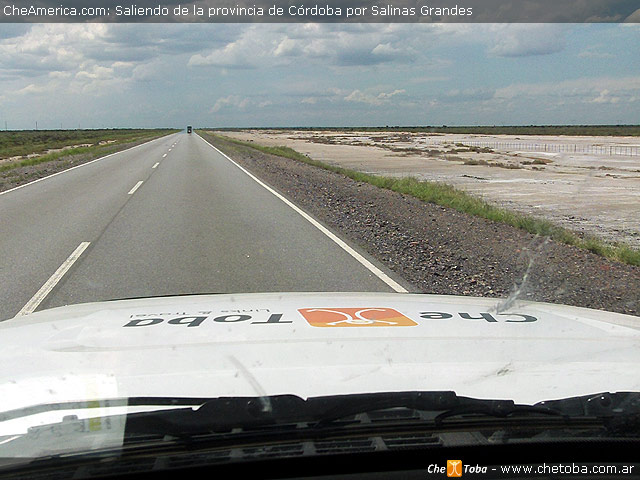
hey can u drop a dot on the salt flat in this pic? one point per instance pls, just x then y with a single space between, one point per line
589 184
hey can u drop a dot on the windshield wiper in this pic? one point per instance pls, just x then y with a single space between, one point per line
222 415
253 422
195 416
226 413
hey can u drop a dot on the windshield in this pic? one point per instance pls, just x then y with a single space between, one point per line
205 200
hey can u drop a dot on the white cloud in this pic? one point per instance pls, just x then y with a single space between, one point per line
60 58
230 101
30 90
372 98
58 74
343 45
238 102
96 72
503 39
46 47
469 94
582 88
246 52
520 40
287 47
605 97
591 53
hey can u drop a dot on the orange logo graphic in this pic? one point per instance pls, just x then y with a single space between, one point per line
355 317
454 468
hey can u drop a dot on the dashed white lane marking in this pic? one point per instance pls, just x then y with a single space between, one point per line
366 263
135 187
157 163
164 155
53 280
77 166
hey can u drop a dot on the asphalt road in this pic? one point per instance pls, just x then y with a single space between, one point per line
172 216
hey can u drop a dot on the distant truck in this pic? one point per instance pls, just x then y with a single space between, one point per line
189 129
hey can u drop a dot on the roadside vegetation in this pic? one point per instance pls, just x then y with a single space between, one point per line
35 147
448 196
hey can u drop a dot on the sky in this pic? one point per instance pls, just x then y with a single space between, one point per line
268 75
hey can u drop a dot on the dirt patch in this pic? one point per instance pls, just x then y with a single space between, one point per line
439 250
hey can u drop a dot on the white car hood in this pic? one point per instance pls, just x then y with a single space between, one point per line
313 345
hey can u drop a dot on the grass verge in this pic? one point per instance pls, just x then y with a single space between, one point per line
91 152
448 196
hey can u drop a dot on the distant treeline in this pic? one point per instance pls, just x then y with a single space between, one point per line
583 130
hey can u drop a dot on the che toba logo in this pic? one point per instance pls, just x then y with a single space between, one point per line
355 317
454 468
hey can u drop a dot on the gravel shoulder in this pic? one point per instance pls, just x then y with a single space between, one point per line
439 250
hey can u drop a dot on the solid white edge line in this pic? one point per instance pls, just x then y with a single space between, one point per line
53 280
157 163
135 187
81 165
366 263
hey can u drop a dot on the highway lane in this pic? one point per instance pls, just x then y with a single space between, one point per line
42 223
170 217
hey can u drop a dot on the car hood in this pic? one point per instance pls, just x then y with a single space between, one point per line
315 344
